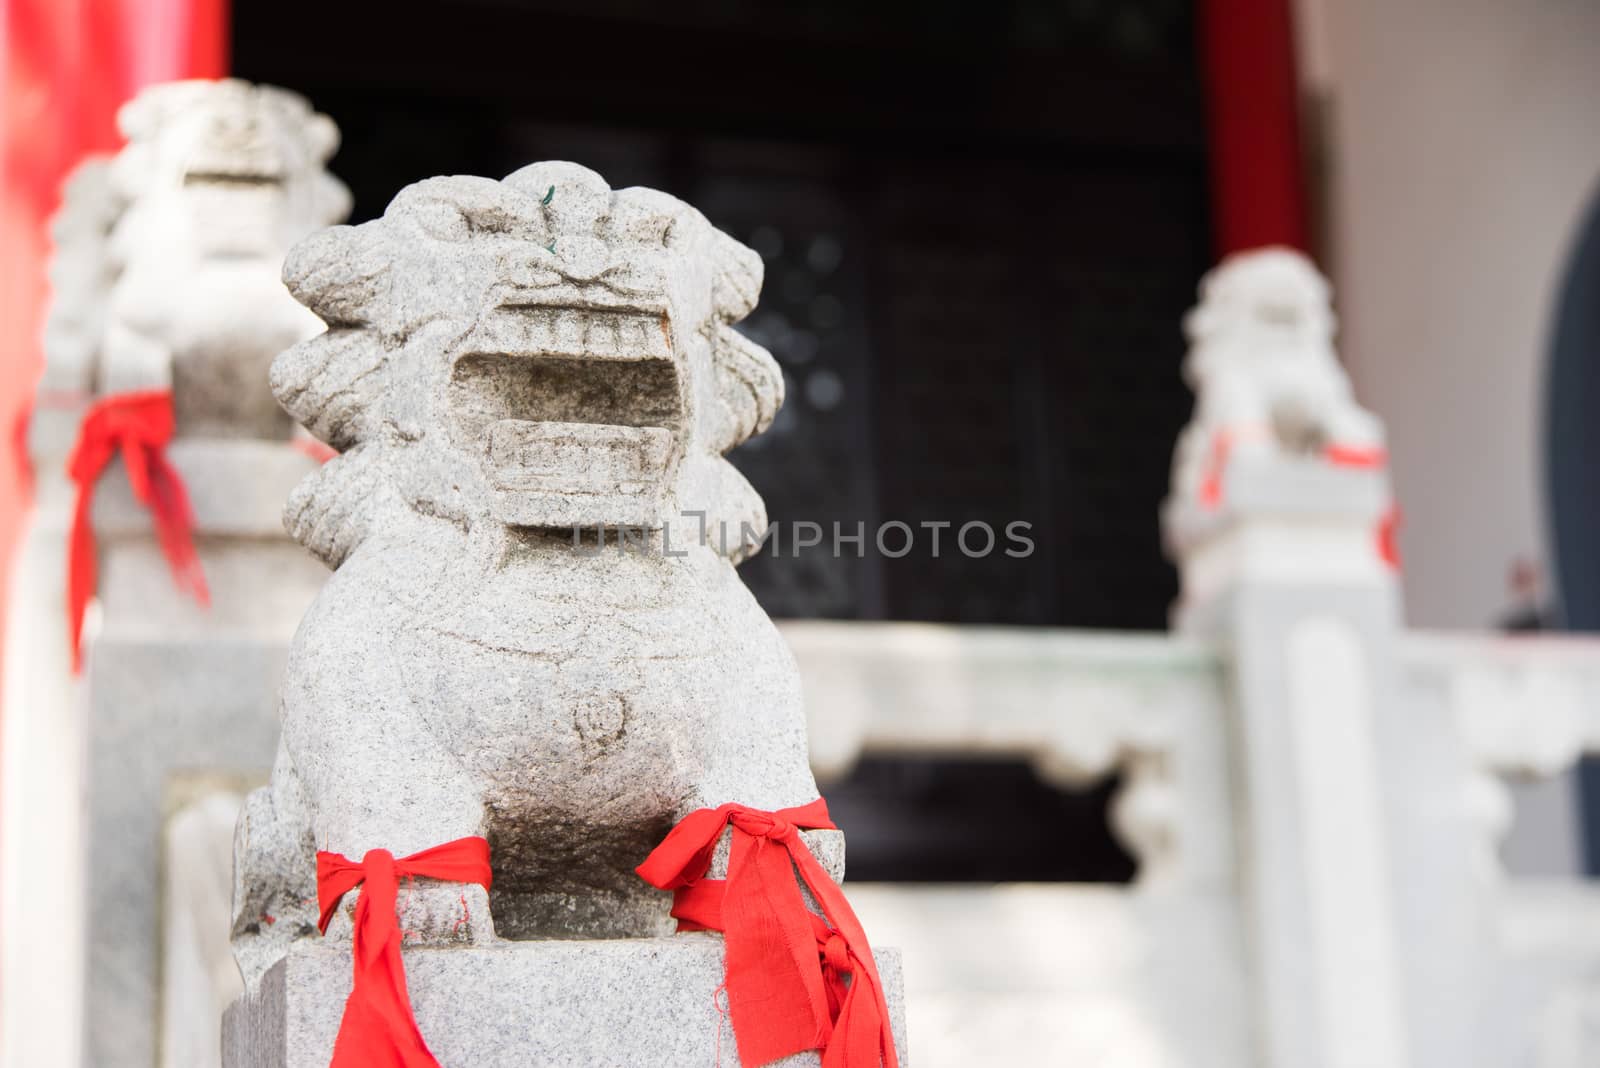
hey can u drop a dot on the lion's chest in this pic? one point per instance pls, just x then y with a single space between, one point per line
572 691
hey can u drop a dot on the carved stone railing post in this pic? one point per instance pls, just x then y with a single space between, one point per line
513 370
1078 707
1278 521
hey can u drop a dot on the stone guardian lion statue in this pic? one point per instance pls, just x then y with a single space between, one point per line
1266 379
508 366
220 179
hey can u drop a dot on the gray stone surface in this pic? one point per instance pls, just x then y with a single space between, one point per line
157 706
505 360
616 1003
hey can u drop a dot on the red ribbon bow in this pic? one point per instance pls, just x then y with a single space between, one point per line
378 1029
786 966
137 425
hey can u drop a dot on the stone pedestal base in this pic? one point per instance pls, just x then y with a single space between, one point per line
163 716
624 1003
181 700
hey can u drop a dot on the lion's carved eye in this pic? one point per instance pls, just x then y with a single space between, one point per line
533 276
631 278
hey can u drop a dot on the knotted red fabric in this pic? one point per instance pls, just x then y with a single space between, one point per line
786 966
378 1029
1363 456
137 425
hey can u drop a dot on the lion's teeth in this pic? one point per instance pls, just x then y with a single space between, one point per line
601 339
635 336
537 337
554 331
569 333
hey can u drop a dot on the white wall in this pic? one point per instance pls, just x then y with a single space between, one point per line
1464 143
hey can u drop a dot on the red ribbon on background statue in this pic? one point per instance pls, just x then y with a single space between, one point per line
136 425
379 1029
786 966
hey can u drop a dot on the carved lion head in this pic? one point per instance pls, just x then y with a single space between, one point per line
231 167
540 352
1263 304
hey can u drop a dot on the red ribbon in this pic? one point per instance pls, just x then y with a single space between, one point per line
1389 537
137 425
378 1029
1362 456
786 966
1223 441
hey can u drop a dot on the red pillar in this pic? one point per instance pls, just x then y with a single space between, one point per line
65 68
1247 62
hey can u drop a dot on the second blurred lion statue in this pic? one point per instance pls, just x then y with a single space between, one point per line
219 179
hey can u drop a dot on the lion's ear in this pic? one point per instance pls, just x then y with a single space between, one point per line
331 199
1199 323
737 284
339 273
331 384
322 137
141 116
749 387
140 120
130 170
331 509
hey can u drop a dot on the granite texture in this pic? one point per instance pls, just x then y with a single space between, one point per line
505 360
619 1003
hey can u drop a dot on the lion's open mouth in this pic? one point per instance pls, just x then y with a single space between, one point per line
575 411
231 179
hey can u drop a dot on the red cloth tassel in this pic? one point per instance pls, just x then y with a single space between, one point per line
378 1029
136 425
786 966
20 426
